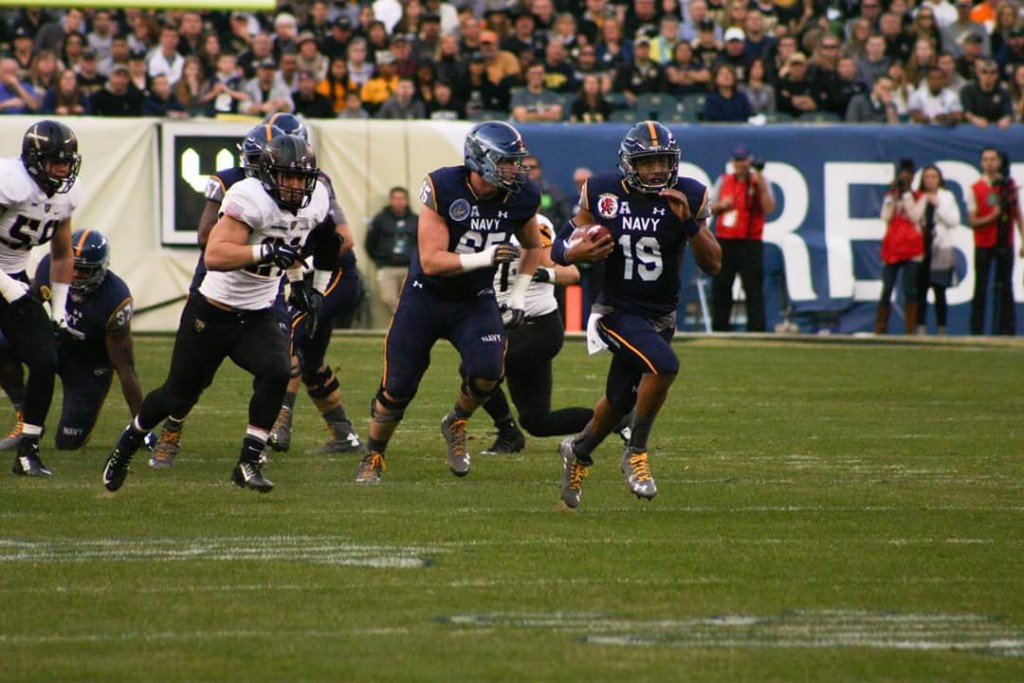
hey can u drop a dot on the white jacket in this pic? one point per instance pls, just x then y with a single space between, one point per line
947 219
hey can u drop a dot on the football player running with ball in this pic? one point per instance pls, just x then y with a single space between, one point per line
652 214
38 194
263 224
470 213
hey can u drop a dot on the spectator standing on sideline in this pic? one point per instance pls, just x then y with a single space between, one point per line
741 200
391 242
992 209
902 249
938 215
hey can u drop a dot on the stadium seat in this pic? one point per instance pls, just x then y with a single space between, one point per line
488 115
624 116
650 105
617 100
819 117
681 116
694 102
778 117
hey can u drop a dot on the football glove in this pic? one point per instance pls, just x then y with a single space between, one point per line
511 318
505 252
307 299
280 254
544 274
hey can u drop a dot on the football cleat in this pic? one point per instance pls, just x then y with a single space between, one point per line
11 441
370 467
166 449
573 473
508 441
280 438
342 439
28 463
638 474
453 429
116 469
249 476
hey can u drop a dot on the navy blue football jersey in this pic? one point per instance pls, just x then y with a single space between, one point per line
108 308
474 225
642 274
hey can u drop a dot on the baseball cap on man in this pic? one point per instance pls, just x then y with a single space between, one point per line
488 37
734 33
741 152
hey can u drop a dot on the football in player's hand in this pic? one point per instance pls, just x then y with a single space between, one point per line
594 232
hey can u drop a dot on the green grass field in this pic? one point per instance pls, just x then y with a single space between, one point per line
825 512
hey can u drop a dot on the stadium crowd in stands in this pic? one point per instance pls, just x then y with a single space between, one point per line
930 62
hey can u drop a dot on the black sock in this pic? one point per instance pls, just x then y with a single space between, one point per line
173 424
584 444
251 449
641 430
289 400
336 415
460 413
131 438
376 445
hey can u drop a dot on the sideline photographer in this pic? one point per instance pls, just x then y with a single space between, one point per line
992 209
741 200
902 249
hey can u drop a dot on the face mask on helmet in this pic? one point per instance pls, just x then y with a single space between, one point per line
496 152
649 158
91 260
49 152
288 172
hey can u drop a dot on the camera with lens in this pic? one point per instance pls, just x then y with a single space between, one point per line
757 164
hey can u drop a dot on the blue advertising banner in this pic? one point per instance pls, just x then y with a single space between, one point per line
824 238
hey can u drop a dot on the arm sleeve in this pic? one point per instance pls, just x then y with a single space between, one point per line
561 244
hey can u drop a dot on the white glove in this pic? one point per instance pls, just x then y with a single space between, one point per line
11 289
59 310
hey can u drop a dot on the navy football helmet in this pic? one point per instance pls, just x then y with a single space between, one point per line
91 252
490 143
649 140
253 144
54 142
289 123
284 157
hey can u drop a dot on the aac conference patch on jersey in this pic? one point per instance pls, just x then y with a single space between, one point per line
607 206
459 210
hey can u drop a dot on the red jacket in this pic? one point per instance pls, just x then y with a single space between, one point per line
986 202
745 220
902 241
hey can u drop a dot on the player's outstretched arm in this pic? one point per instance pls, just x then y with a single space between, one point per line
206 222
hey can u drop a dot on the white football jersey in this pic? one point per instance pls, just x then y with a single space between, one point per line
28 217
540 297
255 287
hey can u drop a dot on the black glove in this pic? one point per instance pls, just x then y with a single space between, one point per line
543 274
305 298
505 252
280 254
511 318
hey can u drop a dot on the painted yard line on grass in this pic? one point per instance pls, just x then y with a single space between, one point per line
160 636
801 629
310 549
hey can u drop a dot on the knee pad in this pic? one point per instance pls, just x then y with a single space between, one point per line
320 383
384 409
479 388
